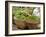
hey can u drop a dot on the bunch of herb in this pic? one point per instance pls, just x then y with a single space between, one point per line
21 13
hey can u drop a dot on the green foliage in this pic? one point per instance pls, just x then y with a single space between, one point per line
21 13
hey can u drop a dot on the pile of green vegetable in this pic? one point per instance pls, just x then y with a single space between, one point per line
23 13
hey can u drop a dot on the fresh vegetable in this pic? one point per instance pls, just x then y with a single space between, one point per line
24 13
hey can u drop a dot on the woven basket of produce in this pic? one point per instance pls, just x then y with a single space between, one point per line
24 18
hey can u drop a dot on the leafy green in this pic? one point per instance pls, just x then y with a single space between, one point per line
21 13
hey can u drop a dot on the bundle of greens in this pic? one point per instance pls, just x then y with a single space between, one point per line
24 13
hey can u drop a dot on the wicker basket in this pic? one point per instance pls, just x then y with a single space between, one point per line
29 24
